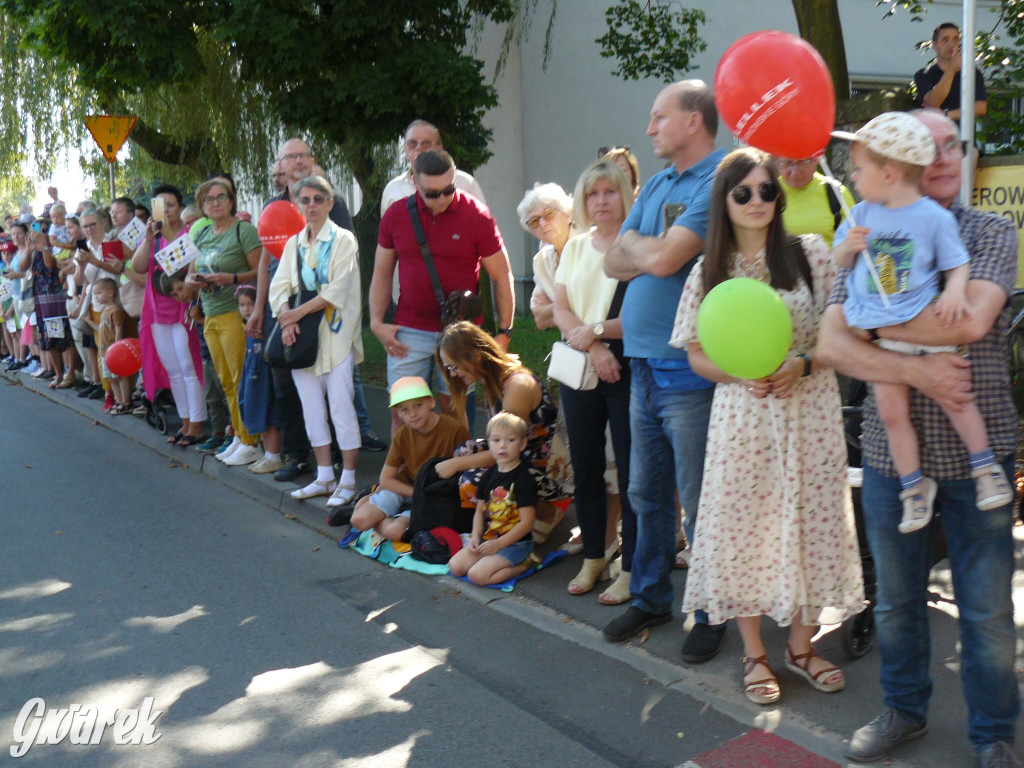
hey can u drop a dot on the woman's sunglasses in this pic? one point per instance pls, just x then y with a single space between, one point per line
768 191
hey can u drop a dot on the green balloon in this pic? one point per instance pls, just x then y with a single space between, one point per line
197 226
745 328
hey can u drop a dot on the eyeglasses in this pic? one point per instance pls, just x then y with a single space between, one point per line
952 148
804 163
547 214
223 197
433 194
602 151
318 199
768 191
89 226
296 155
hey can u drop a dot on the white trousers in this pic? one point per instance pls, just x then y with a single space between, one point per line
171 342
337 386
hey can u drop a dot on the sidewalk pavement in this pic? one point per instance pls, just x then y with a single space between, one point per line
818 722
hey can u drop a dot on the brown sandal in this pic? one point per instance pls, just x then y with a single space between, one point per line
770 683
800 664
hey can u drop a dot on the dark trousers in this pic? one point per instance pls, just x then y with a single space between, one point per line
587 412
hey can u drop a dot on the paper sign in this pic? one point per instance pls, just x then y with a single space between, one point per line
11 325
178 254
132 233
54 327
5 290
110 132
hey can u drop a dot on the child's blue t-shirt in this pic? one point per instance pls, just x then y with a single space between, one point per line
910 246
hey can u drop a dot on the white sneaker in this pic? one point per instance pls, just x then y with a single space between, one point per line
225 454
244 454
265 466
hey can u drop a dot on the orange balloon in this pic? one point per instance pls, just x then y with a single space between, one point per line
278 222
775 93
124 357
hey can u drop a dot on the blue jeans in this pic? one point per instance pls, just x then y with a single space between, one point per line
981 560
669 430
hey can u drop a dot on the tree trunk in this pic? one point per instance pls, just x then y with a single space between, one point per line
819 24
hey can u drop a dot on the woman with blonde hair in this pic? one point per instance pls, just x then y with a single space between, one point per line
587 305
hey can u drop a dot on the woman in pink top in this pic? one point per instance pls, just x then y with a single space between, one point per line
170 347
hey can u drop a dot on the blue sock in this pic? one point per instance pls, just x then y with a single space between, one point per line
983 459
909 481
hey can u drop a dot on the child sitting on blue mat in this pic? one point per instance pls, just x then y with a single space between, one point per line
424 435
505 510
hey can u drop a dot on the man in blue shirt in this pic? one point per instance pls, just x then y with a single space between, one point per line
669 403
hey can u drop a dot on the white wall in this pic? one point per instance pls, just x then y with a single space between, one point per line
551 120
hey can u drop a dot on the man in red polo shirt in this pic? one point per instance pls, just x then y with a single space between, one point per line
462 236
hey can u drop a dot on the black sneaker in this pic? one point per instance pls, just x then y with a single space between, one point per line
631 622
372 443
97 393
883 734
81 385
290 470
703 643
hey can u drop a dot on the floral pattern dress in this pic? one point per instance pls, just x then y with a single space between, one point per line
775 533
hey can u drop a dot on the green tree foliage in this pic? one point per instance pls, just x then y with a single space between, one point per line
651 40
15 190
347 74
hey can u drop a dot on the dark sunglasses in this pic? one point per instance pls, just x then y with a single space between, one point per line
602 151
433 194
768 191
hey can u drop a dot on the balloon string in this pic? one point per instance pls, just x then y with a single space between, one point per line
849 214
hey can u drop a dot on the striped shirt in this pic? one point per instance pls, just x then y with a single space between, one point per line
991 241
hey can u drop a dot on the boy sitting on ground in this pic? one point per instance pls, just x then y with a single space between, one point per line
423 435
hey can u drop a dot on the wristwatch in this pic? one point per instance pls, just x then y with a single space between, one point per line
505 332
599 330
807 365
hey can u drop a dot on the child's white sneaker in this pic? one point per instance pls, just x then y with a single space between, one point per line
243 454
917 505
991 487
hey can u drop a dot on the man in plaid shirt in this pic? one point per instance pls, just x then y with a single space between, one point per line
980 543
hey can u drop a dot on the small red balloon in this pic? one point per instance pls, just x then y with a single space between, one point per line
775 92
278 222
124 357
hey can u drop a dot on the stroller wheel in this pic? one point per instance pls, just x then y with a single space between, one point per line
859 633
161 421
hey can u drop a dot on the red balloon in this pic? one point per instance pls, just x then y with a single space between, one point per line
279 221
124 357
775 93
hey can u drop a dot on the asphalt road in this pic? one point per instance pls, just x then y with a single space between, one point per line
126 574
123 577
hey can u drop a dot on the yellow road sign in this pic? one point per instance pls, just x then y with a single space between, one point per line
110 132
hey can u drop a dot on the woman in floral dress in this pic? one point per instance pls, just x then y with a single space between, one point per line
775 534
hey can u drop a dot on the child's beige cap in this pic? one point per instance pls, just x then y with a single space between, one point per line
896 135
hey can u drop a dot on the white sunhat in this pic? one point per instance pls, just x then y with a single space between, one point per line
896 135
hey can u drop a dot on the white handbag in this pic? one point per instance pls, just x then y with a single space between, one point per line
571 367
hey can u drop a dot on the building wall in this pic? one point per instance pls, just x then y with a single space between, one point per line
552 119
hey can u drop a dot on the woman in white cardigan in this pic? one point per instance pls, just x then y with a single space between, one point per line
329 260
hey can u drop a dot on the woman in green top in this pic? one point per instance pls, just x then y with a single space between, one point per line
230 251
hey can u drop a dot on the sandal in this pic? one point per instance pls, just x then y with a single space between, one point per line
68 383
588 576
189 440
175 439
800 664
314 489
343 494
682 560
618 593
769 684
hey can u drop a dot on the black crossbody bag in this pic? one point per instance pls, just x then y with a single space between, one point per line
303 353
457 305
